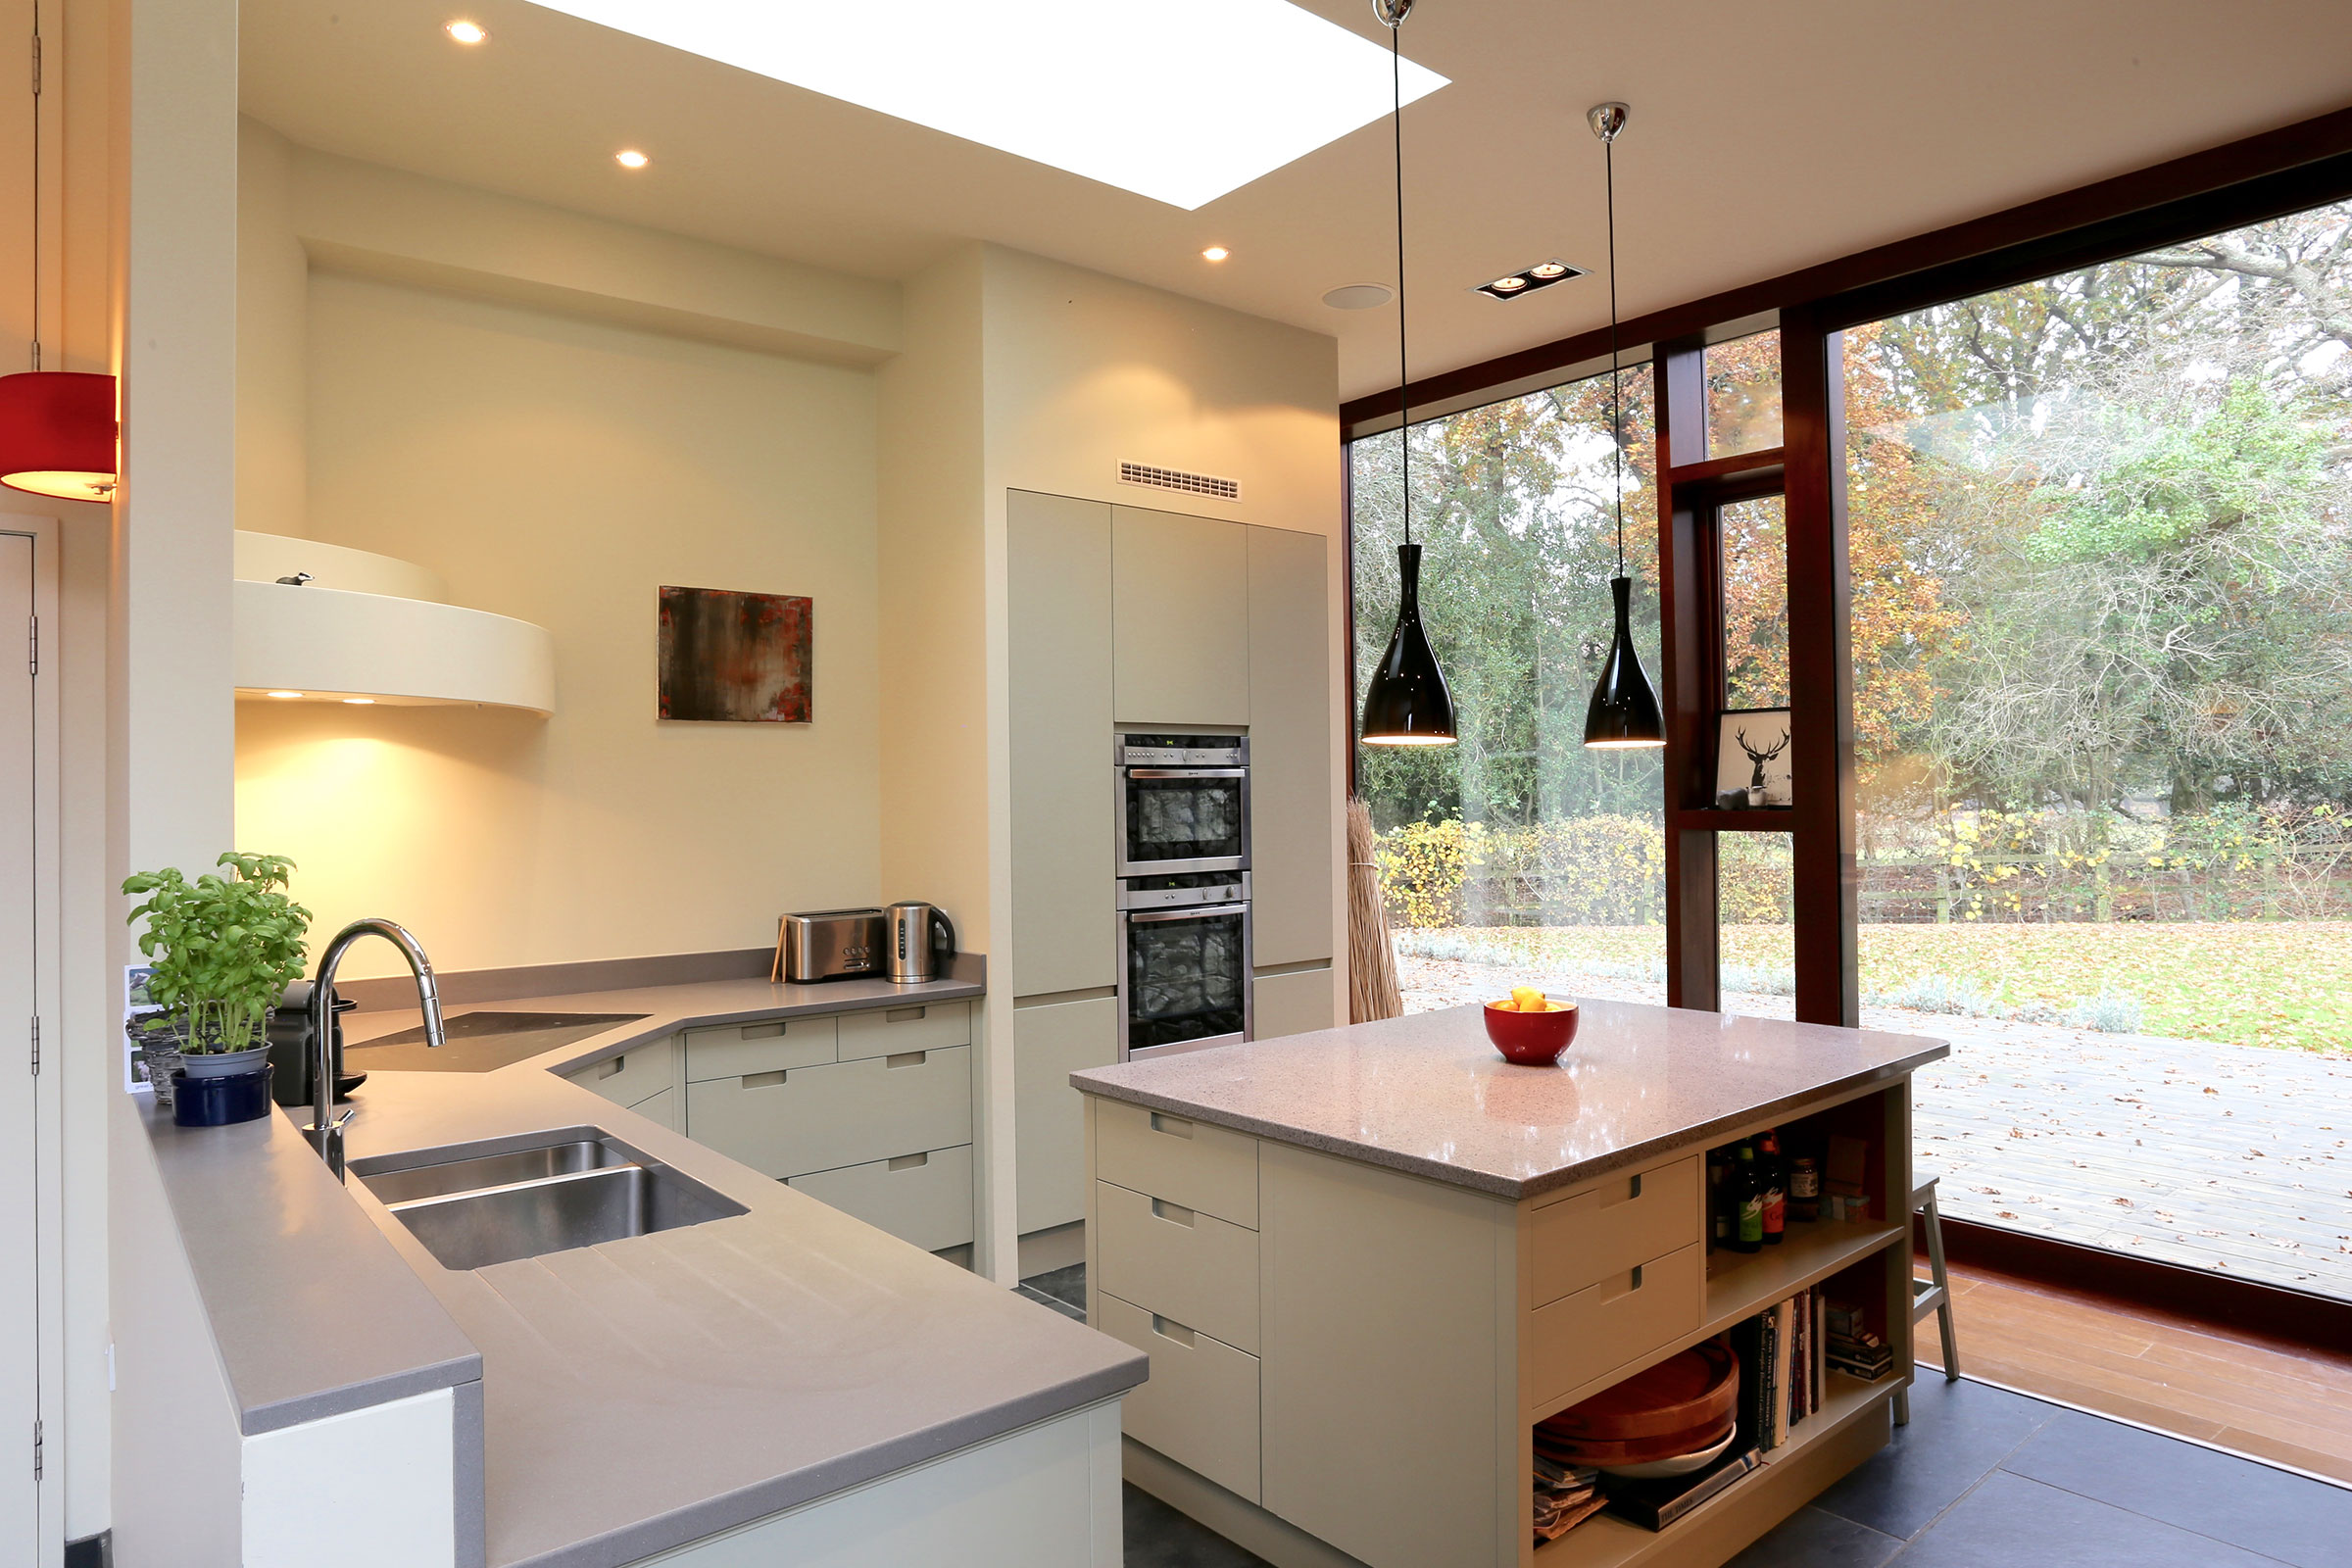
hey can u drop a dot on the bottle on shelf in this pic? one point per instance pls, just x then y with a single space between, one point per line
1771 1173
1804 1188
1747 1192
1719 1213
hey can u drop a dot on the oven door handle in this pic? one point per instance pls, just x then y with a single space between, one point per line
1187 773
1198 913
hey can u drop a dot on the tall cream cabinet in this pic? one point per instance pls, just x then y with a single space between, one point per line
1060 649
1180 620
1130 617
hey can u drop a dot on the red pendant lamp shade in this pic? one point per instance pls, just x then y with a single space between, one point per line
56 434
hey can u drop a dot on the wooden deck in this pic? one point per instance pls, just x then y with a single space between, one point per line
2226 1157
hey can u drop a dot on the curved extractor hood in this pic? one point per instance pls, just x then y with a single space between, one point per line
371 628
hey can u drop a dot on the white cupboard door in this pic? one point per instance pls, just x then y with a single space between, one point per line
1180 613
19 1339
1295 1001
1292 700
1049 1042
1065 936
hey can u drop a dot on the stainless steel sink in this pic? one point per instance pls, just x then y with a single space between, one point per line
477 1210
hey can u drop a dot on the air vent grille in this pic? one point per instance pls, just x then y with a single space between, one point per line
1191 484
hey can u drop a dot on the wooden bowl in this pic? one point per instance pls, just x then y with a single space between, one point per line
1690 1395
1532 1039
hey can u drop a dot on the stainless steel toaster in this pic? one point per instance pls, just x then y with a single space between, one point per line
832 944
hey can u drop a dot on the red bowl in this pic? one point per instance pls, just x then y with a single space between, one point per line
1532 1039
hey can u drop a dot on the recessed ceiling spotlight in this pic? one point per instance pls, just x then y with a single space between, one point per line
630 157
467 32
1360 296
1216 253
1528 279
285 694
361 702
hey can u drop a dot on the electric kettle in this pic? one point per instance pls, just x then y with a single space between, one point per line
919 940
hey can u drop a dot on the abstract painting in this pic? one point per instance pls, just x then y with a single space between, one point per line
734 657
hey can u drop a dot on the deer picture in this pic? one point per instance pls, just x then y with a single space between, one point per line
1761 757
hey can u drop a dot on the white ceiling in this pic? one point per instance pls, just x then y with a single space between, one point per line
1763 138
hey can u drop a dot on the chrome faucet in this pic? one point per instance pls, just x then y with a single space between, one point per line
326 1130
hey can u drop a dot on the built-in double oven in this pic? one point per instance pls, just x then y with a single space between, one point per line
1182 891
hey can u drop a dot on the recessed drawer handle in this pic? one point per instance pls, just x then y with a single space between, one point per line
906 1058
611 1067
1164 1209
1174 1125
1635 1188
904 1014
1170 1329
909 1161
762 1031
762 1080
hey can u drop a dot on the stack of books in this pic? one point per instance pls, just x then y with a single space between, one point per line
1780 1368
1853 1349
1566 1495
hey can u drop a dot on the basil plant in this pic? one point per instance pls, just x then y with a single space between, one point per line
223 948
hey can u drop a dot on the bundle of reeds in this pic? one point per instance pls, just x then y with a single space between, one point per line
1372 992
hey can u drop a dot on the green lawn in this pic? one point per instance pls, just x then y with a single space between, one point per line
2257 983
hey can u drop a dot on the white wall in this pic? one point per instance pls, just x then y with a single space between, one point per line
561 471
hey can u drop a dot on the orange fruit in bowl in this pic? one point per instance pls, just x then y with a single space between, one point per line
1531 1036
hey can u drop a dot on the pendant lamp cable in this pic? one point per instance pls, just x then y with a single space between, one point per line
1609 163
1393 14
36 185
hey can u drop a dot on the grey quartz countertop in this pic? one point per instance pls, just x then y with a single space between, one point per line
1427 1093
642 1393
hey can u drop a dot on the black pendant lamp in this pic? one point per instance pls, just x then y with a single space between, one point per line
1407 703
1624 713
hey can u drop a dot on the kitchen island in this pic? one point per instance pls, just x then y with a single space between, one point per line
1366 1261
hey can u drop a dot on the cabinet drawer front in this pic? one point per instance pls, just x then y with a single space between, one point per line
771 1044
638 1073
1180 1262
895 1031
922 1197
661 1107
1612 1225
1608 1324
1185 1161
1200 1406
842 1113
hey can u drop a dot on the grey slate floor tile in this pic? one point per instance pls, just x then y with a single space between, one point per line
1066 1285
1958 1433
1812 1538
2254 1506
1159 1537
1025 1288
2010 1521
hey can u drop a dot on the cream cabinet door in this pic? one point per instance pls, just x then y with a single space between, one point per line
1064 935
1180 620
1291 700
1295 1003
1048 1043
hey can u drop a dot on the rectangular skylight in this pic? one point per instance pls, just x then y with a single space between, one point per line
1178 100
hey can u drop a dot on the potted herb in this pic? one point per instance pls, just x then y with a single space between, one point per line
223 948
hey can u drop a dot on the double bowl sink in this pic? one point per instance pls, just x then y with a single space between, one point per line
580 1186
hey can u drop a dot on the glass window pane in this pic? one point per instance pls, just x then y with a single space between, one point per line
1755 909
2103 743
1754 544
1517 855
1743 395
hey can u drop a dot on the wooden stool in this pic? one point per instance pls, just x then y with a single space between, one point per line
1931 1294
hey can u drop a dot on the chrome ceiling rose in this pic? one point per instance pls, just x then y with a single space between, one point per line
1607 119
1391 11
